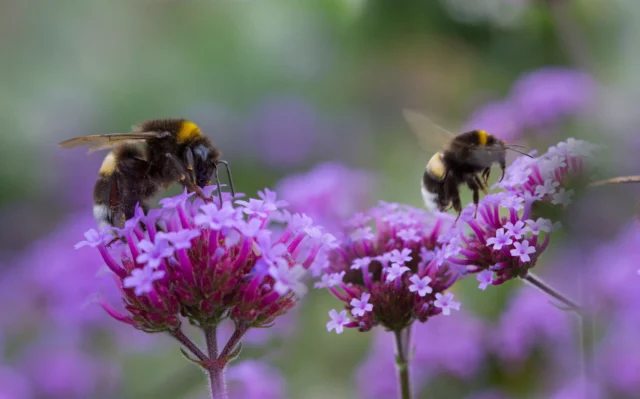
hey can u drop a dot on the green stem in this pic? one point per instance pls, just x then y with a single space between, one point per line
215 370
402 364
552 292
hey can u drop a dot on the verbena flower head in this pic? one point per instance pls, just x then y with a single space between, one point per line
505 240
500 246
209 261
329 193
543 178
390 270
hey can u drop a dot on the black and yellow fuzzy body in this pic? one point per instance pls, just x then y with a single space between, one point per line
464 158
156 154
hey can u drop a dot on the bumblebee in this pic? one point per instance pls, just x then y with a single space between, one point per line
463 160
156 154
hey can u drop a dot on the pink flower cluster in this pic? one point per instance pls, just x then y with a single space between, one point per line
206 261
389 269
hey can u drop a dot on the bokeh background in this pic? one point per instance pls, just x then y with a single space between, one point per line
307 98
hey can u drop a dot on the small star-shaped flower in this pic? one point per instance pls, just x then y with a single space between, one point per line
288 278
485 278
522 250
338 321
395 271
152 254
516 230
502 239
421 285
562 197
446 303
141 280
359 263
362 305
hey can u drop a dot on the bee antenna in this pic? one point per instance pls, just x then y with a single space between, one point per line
517 145
215 173
510 147
231 187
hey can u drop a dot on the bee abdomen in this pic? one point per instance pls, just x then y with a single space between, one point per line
433 192
105 199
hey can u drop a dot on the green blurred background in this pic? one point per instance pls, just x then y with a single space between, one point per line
345 68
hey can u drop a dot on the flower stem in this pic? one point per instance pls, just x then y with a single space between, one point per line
569 33
402 364
215 369
233 342
552 292
616 180
187 343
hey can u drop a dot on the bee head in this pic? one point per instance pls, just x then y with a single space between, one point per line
205 163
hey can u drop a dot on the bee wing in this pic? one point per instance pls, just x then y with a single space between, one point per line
98 142
430 135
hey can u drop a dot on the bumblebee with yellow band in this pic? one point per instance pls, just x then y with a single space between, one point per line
156 154
460 161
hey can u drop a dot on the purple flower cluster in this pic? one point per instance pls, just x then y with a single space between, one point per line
208 261
390 270
252 379
505 241
329 193
50 296
500 248
538 100
542 178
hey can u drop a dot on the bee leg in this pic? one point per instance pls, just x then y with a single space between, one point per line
190 162
190 165
479 183
503 166
485 175
474 184
454 194
184 178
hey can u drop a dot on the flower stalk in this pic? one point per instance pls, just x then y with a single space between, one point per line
402 363
616 180
541 285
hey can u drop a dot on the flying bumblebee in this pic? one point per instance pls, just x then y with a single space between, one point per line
156 154
462 159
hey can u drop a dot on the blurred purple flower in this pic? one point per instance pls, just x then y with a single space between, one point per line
392 263
252 379
578 388
14 385
284 130
530 320
452 346
499 118
329 193
67 373
56 285
538 100
547 95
